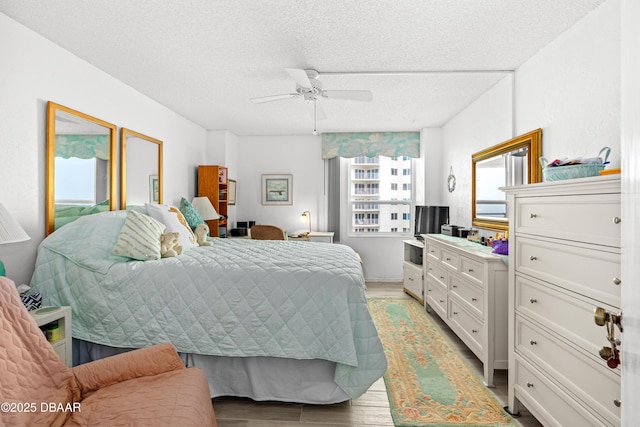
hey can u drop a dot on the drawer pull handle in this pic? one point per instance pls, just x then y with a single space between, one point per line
529 385
532 342
617 220
533 258
474 299
616 281
617 402
448 259
532 215
474 331
441 301
442 277
454 286
471 270
455 313
410 279
533 300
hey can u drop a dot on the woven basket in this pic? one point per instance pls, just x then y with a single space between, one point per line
559 173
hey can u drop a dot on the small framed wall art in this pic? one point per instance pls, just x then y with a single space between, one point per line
277 189
154 190
231 192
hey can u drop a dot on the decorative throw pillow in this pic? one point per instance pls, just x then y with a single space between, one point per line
191 214
139 237
174 220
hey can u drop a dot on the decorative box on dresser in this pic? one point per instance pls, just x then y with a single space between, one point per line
466 285
564 261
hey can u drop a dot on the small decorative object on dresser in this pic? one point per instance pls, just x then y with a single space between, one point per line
466 285
564 263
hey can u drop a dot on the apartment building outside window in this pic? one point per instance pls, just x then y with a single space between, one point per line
379 196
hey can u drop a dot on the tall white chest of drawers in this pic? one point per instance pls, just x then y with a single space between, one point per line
564 261
466 285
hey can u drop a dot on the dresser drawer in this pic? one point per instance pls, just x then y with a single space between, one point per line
472 270
582 218
551 405
469 328
437 297
470 294
412 280
561 311
438 272
568 366
450 259
585 271
432 251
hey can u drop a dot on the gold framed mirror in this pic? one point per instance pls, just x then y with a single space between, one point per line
140 169
80 166
513 162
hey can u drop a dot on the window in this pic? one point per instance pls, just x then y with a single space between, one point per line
375 203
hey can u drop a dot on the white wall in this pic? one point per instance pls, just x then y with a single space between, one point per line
299 156
34 71
571 89
484 123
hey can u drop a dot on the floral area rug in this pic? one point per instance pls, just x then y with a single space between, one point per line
428 382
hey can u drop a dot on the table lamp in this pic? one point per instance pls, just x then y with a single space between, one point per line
306 217
10 232
205 208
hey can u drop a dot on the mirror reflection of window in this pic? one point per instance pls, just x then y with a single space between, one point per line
491 174
72 190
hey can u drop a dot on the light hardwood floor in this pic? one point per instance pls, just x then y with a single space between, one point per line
371 409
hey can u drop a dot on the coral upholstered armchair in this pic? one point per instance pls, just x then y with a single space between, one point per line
146 387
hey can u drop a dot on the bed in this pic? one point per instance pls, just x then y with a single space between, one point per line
268 320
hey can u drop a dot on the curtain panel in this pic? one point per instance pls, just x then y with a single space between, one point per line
83 146
370 144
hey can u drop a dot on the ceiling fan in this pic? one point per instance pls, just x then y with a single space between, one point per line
310 89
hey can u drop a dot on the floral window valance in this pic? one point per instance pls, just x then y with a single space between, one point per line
370 144
83 146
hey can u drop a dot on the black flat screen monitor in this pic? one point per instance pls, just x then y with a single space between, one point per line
429 219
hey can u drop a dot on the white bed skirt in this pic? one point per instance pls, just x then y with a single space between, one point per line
258 378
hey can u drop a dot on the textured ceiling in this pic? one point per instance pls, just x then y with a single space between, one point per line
206 59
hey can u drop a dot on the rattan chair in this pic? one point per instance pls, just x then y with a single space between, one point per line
267 232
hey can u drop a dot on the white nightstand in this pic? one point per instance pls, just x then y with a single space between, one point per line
62 315
321 236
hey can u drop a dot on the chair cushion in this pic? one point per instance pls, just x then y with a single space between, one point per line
31 369
174 398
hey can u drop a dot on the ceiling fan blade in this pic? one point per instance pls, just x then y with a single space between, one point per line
274 98
356 95
300 76
319 113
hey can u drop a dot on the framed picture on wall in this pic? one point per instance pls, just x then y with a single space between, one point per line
154 190
232 192
277 189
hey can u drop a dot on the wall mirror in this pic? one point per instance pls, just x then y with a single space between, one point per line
140 169
80 168
512 162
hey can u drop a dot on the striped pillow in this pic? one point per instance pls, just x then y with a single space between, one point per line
139 237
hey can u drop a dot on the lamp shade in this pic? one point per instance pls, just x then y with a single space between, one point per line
205 208
10 229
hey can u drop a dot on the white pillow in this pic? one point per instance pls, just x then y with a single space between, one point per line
139 237
174 221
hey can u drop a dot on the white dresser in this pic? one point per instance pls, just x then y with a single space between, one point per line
564 261
412 269
466 285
